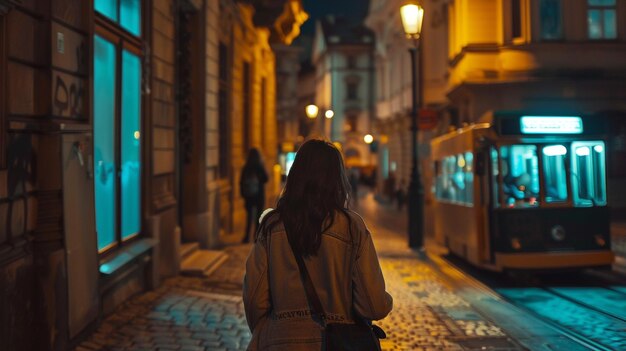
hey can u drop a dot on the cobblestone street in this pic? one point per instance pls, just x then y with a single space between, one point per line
188 313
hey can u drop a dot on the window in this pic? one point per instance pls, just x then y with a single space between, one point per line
455 179
223 108
602 19
588 173
551 23
352 121
126 13
117 127
554 173
352 88
520 175
246 108
351 61
495 172
516 19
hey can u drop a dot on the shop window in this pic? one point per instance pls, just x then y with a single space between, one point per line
588 173
554 173
551 20
520 175
454 181
601 19
117 129
223 111
126 13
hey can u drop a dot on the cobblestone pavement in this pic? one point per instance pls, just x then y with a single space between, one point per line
207 313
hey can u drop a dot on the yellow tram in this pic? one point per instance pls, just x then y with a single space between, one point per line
524 191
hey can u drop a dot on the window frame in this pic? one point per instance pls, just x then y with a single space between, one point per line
224 112
602 8
123 40
561 36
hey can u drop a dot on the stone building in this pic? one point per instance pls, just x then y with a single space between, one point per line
344 82
394 84
123 129
554 56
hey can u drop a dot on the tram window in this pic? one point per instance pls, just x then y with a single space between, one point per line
588 173
520 175
494 178
455 179
554 173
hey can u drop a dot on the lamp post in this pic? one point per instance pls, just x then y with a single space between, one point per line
412 17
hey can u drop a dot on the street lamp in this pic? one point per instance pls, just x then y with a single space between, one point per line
368 138
311 111
329 114
412 17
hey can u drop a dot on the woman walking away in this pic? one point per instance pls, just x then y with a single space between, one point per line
313 271
252 188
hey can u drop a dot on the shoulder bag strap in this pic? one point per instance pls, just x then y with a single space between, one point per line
309 288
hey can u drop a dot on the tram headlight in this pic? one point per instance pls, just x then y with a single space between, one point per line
600 240
558 233
516 244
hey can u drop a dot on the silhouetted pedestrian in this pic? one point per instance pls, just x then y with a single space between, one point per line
252 189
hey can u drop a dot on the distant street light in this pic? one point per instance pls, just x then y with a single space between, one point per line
329 114
368 138
311 111
412 18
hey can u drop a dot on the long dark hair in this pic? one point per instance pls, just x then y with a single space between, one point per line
317 189
253 160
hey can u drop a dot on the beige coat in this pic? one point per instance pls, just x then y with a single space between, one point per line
346 275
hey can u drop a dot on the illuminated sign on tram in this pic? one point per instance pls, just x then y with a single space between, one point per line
551 125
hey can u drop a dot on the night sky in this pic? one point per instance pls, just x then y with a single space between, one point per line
354 9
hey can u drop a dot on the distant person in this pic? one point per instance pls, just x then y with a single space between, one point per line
401 195
354 184
312 227
252 189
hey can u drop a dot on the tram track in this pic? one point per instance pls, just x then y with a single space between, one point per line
568 310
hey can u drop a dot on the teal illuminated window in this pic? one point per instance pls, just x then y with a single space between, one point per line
105 184
127 13
589 173
520 175
602 19
130 136
455 179
555 173
117 142
551 20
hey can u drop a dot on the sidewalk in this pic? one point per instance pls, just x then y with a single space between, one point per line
434 307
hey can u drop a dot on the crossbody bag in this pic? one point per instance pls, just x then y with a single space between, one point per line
359 336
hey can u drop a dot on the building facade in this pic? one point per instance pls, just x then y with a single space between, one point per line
344 83
394 89
123 129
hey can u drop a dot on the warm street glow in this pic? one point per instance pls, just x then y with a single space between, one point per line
368 138
312 110
412 18
329 114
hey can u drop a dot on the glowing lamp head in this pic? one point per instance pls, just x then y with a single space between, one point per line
329 114
368 138
311 111
412 18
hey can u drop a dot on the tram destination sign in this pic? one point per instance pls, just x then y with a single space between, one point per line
551 125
